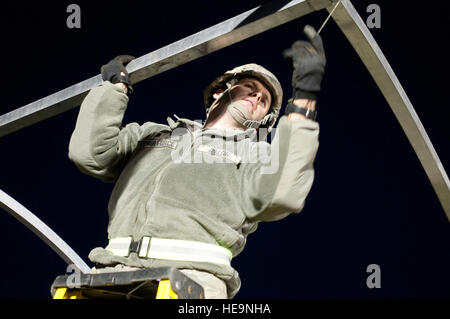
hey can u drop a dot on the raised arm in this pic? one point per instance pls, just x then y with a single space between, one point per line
277 192
99 144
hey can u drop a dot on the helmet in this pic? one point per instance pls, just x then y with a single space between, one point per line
249 70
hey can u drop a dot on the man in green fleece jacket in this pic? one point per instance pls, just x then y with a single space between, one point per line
188 194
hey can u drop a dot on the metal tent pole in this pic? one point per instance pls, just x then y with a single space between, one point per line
370 53
42 231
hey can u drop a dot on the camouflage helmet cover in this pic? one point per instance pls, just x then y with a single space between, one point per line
249 70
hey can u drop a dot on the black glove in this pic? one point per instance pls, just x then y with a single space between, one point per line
116 72
308 59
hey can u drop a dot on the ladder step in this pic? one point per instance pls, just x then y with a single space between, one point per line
150 283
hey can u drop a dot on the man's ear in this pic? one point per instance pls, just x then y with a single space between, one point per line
218 93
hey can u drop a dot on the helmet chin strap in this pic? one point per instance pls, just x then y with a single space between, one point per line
239 112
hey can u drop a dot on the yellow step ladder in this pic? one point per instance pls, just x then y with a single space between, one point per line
150 283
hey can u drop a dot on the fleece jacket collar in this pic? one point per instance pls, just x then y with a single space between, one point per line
196 126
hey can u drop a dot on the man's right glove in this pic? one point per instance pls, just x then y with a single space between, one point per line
114 71
308 59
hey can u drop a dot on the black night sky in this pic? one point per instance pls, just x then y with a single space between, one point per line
371 201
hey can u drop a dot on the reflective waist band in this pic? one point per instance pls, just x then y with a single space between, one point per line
170 249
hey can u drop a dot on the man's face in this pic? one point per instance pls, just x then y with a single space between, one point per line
253 95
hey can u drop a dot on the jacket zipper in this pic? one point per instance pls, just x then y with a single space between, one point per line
156 187
159 175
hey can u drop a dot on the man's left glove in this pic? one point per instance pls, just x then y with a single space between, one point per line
114 71
308 58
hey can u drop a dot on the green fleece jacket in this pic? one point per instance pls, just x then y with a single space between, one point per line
181 181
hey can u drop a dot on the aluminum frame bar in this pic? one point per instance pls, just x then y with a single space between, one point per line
356 31
44 232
